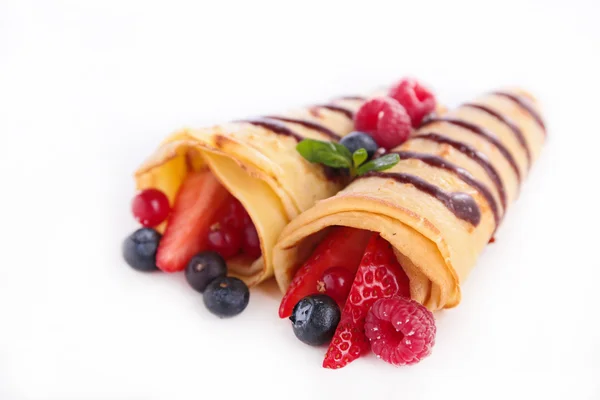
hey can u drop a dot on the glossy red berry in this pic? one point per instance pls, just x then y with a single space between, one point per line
336 283
150 207
235 214
416 99
225 240
250 241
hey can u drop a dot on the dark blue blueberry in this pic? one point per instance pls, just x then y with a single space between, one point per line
360 140
315 319
203 268
139 249
226 296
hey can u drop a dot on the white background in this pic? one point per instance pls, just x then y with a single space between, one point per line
87 90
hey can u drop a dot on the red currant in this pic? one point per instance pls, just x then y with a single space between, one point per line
251 243
336 283
225 240
235 214
150 207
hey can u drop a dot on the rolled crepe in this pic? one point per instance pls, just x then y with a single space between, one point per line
256 160
441 204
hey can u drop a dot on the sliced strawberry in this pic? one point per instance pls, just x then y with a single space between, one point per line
348 343
379 275
342 247
198 202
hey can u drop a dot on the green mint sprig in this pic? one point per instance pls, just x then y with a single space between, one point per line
336 155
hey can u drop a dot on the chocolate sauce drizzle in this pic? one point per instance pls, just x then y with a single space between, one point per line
524 104
464 175
473 154
506 121
274 126
484 133
358 98
460 204
334 107
309 124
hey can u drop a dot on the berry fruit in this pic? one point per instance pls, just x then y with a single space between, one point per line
416 99
235 215
226 296
401 331
250 241
203 268
139 249
379 275
336 283
225 240
349 342
342 247
385 120
190 221
360 140
315 318
150 207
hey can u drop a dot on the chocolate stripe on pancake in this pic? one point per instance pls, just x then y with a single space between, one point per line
463 174
274 126
460 204
506 121
361 98
484 133
309 124
334 107
524 104
474 155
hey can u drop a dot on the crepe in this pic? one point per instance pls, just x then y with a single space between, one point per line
441 204
256 160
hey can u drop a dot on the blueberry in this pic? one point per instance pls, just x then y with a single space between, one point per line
139 249
203 268
226 296
360 140
315 318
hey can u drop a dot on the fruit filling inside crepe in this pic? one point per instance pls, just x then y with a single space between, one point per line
355 268
207 217
204 216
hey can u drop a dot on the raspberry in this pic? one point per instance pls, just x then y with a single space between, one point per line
401 331
385 120
416 99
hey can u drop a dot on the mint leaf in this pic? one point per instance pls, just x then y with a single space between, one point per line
328 153
379 164
359 157
333 160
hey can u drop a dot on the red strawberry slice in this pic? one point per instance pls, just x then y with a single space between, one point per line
379 275
198 203
342 247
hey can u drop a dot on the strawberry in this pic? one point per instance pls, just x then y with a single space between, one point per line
379 276
342 247
199 200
